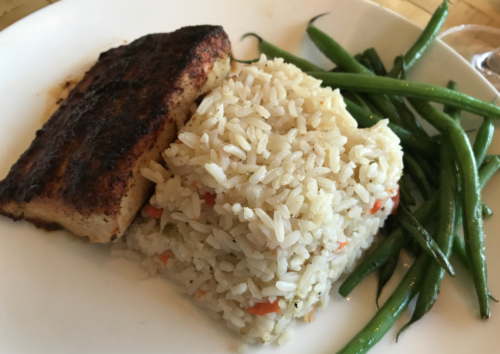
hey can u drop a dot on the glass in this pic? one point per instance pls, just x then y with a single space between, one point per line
480 46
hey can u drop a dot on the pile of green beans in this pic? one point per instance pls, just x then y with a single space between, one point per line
427 37
389 86
418 144
420 234
387 315
385 274
447 170
448 198
389 247
273 51
473 230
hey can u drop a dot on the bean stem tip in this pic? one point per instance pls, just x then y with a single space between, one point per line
316 17
251 34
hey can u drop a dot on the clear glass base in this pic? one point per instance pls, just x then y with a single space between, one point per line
480 45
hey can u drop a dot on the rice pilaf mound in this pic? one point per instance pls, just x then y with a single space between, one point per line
271 193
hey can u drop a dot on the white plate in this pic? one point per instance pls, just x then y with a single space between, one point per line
58 295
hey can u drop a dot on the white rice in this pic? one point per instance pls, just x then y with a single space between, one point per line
295 182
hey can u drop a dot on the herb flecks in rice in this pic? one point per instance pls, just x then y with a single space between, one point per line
294 178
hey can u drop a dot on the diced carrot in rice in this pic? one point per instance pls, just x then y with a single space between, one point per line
164 259
263 308
342 245
395 199
311 316
153 212
290 175
376 206
210 198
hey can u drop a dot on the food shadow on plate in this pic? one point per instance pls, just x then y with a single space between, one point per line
163 292
167 295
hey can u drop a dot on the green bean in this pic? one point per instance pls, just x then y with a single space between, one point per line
405 190
487 159
483 140
488 170
492 164
413 247
444 235
453 112
358 57
410 141
366 63
390 246
414 228
385 274
372 107
398 68
377 65
407 117
391 224
418 175
397 239
385 85
356 98
427 37
398 302
385 107
334 51
485 173
387 315
362 101
486 212
473 222
459 249
245 61
430 171
460 252
435 163
339 56
273 51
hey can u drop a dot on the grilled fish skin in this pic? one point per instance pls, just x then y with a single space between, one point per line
81 171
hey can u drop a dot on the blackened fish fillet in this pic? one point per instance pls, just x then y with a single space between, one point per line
81 172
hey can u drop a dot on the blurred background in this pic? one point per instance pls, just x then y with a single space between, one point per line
479 12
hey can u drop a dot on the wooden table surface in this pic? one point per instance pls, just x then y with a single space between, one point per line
483 12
